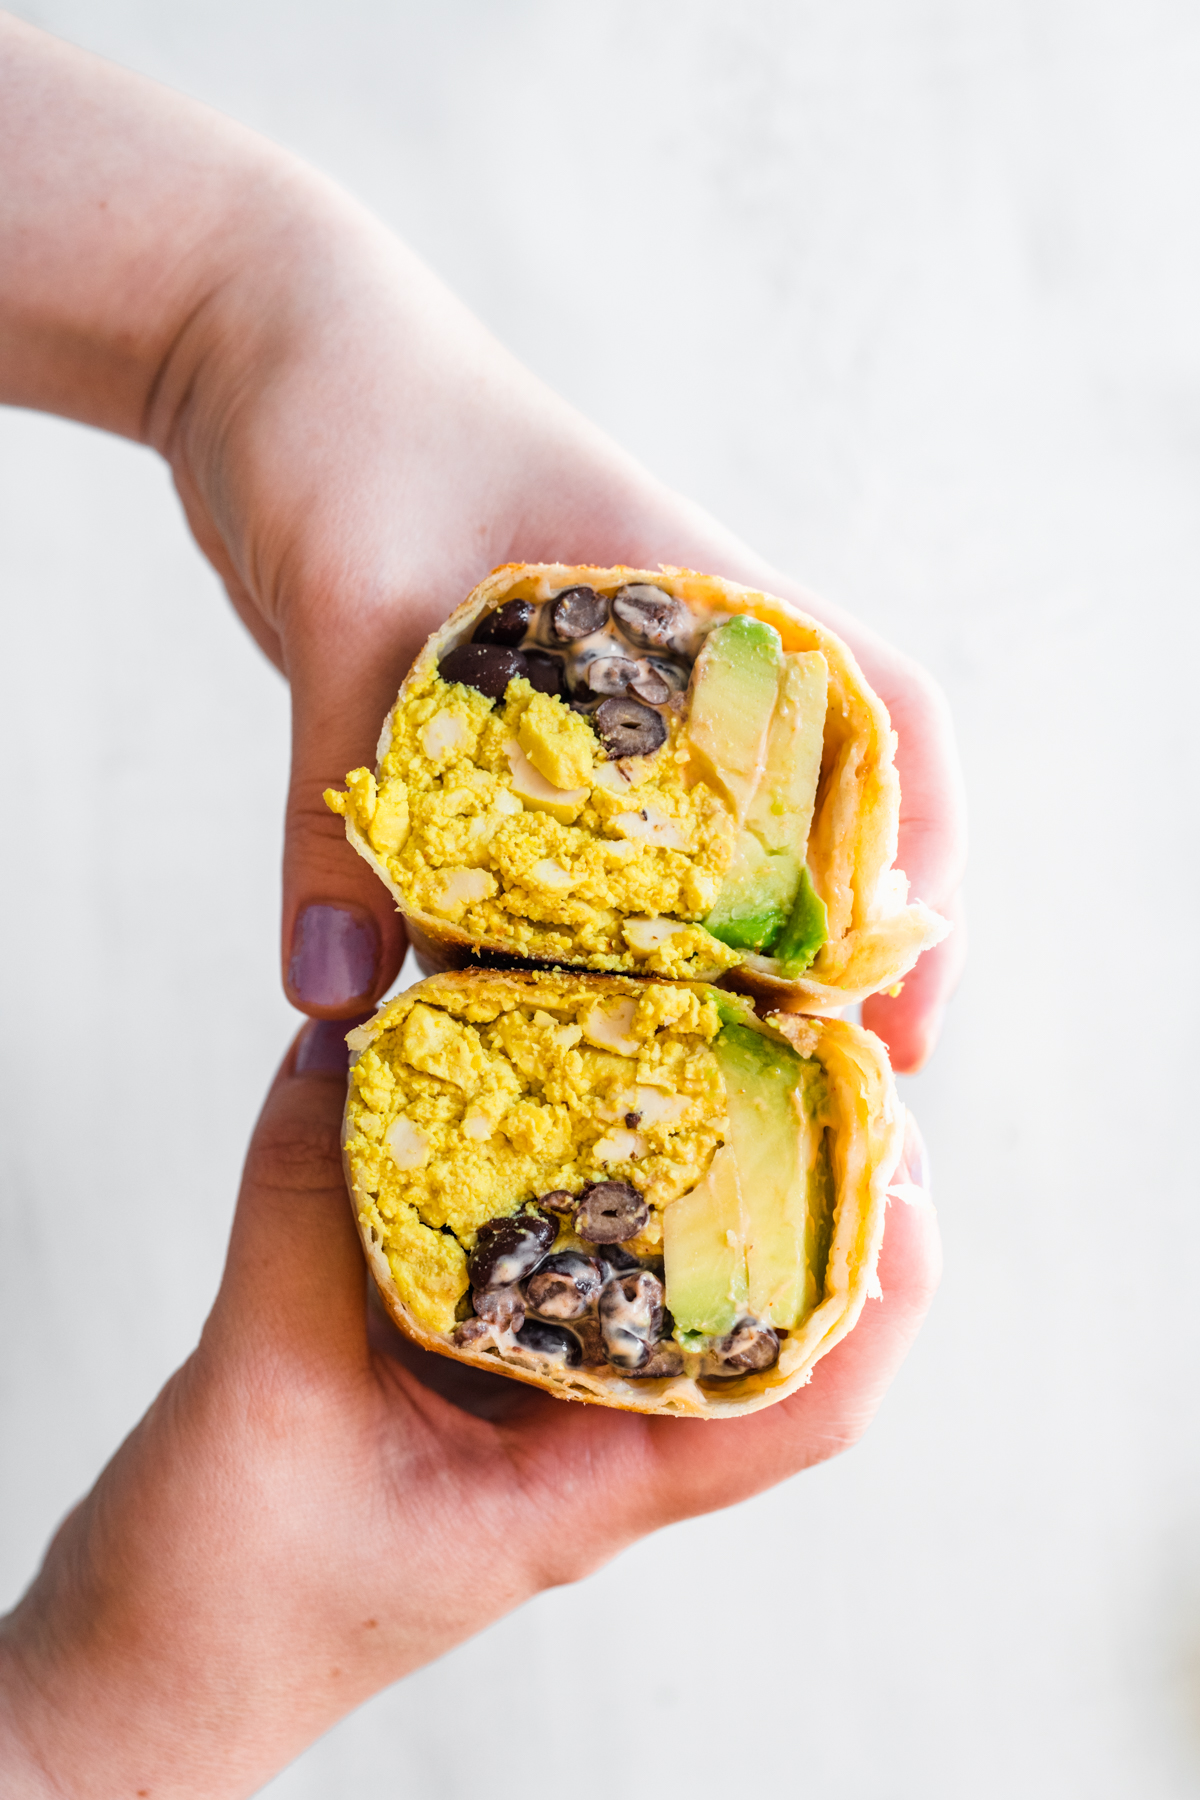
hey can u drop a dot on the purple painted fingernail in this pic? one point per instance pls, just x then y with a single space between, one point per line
335 956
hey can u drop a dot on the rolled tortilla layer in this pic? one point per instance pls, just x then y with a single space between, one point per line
513 826
532 1157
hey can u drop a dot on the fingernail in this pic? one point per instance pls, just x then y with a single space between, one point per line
335 956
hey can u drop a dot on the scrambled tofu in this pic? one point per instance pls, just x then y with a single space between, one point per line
464 1110
509 823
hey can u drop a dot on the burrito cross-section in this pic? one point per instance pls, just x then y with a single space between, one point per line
646 773
632 1192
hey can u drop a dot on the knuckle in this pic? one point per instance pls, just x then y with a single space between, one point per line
308 812
294 1157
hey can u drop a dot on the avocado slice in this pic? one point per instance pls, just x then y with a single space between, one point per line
822 1190
775 1100
805 931
781 812
734 687
704 1251
756 898
763 883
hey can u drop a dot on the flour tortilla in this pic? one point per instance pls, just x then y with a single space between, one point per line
874 936
868 1137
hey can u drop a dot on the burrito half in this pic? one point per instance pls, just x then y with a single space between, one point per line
645 773
631 1192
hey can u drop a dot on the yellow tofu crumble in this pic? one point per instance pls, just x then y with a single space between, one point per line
508 822
465 1110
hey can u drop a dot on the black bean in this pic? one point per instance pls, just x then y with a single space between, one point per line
564 1286
616 1261
509 1249
503 1307
576 613
627 728
674 674
632 1120
488 667
470 1331
664 1359
551 1340
507 625
750 1345
648 685
651 617
559 1201
631 1311
610 1212
609 675
546 673
591 1342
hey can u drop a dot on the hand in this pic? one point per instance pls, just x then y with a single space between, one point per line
312 1507
342 577
353 452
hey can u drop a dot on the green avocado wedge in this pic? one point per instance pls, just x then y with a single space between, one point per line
752 1238
805 931
776 1104
704 1252
781 812
756 898
734 687
759 895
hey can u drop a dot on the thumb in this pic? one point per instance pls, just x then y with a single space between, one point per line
343 940
293 1283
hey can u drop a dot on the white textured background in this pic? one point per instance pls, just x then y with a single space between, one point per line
912 301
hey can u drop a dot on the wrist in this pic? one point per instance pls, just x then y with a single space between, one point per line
123 208
131 1664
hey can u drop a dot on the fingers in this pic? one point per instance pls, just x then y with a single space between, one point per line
933 825
343 940
932 852
293 1284
910 1023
